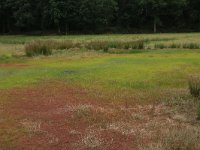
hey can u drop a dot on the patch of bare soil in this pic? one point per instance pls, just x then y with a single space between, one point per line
55 116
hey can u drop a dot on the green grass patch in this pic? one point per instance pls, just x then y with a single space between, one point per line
146 70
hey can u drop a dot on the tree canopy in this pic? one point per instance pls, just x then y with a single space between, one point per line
98 16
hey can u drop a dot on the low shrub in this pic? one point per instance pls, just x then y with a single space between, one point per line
194 85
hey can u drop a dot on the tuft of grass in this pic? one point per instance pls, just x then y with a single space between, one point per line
194 85
37 48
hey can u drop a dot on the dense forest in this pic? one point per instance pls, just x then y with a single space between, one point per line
98 16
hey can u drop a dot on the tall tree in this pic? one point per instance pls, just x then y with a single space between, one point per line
96 16
23 14
97 13
57 12
152 9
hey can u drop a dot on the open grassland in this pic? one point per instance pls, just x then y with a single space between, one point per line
86 97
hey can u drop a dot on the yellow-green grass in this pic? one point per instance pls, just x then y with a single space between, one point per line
146 70
140 70
178 37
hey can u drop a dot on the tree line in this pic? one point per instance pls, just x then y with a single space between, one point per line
98 16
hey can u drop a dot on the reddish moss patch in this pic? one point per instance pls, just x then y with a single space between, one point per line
56 116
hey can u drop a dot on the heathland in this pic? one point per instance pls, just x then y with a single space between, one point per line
136 91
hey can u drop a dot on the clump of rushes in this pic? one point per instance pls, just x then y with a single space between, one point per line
97 45
105 45
160 46
63 45
45 47
173 45
191 46
194 85
136 44
37 48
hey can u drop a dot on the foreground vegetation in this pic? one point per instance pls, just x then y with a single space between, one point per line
97 89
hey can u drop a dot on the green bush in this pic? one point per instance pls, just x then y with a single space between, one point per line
194 85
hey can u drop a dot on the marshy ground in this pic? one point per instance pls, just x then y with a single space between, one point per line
79 98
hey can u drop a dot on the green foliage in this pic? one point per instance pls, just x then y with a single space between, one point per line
194 85
97 16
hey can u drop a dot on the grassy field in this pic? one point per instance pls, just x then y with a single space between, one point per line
78 98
